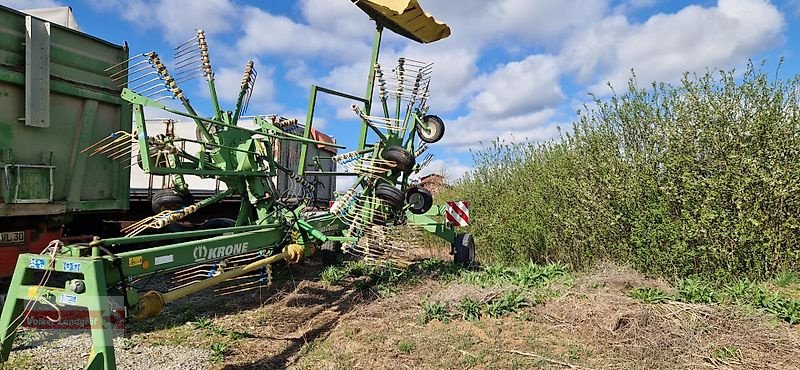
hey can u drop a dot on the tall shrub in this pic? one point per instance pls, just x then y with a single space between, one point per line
698 178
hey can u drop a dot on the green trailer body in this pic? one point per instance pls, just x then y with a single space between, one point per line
55 99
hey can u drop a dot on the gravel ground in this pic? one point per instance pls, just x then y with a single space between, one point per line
72 352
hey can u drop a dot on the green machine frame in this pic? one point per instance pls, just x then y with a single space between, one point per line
100 279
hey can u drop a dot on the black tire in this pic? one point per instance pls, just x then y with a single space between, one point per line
404 159
391 195
464 250
217 223
419 200
434 130
169 199
330 253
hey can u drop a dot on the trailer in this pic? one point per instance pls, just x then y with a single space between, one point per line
56 99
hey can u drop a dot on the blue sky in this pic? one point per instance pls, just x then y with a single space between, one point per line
513 69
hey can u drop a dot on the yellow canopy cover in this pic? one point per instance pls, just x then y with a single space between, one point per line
406 18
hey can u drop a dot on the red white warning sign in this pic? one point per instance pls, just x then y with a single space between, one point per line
457 213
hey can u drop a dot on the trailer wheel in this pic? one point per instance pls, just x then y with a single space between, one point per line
434 130
464 250
404 159
419 200
169 199
390 194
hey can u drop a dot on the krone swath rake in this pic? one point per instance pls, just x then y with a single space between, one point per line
269 227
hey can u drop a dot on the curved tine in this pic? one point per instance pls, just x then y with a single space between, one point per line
184 52
127 60
145 76
188 78
112 147
164 97
117 78
186 71
121 153
116 74
151 88
111 136
186 42
189 58
110 144
150 95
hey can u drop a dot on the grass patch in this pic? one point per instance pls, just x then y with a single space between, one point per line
405 346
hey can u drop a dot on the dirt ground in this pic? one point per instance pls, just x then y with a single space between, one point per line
589 323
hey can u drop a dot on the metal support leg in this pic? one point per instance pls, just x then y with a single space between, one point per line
98 303
12 308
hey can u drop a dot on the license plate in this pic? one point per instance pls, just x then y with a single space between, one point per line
13 237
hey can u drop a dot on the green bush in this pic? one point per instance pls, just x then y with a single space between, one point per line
701 178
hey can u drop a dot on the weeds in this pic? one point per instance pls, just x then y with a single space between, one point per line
527 276
649 295
333 275
509 302
435 310
741 292
469 309
696 291
219 350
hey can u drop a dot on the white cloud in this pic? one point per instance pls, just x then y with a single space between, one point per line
476 22
265 33
471 131
339 17
667 45
519 88
177 19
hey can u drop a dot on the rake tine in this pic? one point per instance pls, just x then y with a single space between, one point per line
121 153
188 78
187 71
184 62
187 42
157 78
117 78
111 136
112 146
126 61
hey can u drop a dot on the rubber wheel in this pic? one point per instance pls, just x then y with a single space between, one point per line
330 253
434 130
217 223
404 159
390 194
419 200
169 199
464 250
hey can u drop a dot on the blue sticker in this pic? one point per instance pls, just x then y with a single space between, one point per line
69 299
72 266
36 263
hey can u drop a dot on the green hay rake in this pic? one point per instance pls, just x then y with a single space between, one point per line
270 227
